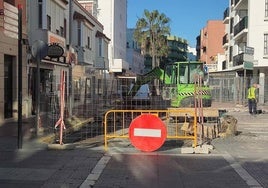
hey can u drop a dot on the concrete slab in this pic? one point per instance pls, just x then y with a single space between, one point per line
61 146
188 150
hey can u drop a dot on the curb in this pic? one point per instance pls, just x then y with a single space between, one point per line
60 146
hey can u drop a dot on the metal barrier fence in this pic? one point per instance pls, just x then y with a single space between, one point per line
180 123
93 97
230 88
92 100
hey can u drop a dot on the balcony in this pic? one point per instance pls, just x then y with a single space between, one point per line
241 27
225 41
226 16
102 63
118 65
240 4
85 56
241 58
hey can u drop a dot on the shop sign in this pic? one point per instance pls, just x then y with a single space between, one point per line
55 51
248 65
249 50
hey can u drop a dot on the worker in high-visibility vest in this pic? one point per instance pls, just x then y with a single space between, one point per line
252 99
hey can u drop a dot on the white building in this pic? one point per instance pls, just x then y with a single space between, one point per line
113 15
246 40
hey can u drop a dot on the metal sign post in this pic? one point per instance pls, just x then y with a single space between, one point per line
60 122
39 51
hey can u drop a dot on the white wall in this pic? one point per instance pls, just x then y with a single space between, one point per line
257 27
113 16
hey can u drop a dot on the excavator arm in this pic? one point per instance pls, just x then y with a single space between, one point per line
156 73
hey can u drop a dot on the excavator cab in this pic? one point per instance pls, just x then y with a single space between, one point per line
186 80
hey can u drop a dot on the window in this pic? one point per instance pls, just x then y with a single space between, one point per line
64 28
79 33
40 13
88 43
230 54
100 47
8 85
12 2
48 23
266 8
61 31
231 25
265 44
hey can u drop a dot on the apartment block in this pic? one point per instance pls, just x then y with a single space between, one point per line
211 43
178 49
113 15
246 40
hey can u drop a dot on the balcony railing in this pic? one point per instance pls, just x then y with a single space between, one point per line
241 58
243 24
238 59
101 63
226 13
236 2
225 39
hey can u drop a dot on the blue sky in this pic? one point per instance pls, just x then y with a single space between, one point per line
188 17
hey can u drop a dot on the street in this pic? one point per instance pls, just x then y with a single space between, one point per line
237 161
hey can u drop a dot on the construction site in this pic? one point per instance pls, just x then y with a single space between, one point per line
181 96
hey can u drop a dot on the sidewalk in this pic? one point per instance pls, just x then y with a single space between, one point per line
249 147
36 166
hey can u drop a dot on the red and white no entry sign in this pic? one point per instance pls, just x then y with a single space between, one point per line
147 132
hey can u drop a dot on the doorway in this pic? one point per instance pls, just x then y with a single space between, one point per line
8 86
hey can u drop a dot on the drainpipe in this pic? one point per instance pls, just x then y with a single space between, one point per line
70 65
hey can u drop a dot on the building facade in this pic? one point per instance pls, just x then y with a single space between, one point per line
113 15
88 42
58 37
9 60
134 56
178 49
246 41
211 43
47 25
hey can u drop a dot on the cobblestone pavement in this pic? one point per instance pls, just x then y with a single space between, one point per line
249 147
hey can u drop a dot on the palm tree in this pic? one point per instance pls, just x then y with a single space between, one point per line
150 33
